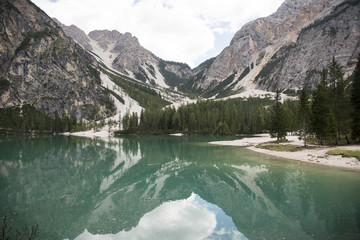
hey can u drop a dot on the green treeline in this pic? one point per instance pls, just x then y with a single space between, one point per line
329 115
16 120
233 116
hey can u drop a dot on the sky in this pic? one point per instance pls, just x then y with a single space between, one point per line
187 31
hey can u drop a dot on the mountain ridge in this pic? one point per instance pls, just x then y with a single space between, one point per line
257 42
123 53
245 60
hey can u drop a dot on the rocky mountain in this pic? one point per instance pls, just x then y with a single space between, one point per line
337 34
285 50
123 52
61 70
42 67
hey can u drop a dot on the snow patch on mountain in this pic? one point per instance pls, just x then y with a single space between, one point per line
130 104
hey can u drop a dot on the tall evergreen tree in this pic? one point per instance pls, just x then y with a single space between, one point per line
319 109
339 99
331 129
126 121
304 113
278 126
260 120
355 102
134 121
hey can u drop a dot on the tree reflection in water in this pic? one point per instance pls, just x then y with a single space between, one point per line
75 186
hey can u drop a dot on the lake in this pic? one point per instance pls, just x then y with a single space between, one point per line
167 187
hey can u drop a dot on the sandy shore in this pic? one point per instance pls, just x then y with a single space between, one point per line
315 154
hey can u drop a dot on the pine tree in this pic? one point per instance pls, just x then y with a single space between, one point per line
176 121
126 121
355 102
278 126
303 113
319 109
260 121
339 99
331 129
134 121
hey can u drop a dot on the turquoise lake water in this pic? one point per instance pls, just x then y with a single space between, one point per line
167 187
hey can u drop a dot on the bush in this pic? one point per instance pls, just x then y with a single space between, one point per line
346 153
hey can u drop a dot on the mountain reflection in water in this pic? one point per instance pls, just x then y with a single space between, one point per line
192 218
126 188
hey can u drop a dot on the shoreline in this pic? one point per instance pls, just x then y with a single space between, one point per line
103 134
314 155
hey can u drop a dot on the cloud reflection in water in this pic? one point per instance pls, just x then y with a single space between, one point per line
192 218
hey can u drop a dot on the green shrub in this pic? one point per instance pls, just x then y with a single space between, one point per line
4 84
346 153
34 35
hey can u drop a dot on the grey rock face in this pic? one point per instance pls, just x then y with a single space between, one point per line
105 37
181 70
44 67
255 44
76 33
300 65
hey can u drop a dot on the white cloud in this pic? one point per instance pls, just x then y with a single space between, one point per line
182 219
178 30
191 218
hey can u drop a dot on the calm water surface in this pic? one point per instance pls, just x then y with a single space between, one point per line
171 188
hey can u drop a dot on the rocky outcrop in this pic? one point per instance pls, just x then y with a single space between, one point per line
300 65
260 44
128 56
41 66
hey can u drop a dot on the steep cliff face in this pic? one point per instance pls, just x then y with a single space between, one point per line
259 43
41 66
300 64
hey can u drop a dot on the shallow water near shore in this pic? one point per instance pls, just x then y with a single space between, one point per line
170 187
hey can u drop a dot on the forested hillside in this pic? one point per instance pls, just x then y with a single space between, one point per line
328 115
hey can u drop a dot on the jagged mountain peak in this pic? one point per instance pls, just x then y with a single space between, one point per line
290 18
123 53
106 37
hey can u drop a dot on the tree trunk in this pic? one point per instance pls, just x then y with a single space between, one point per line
347 139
